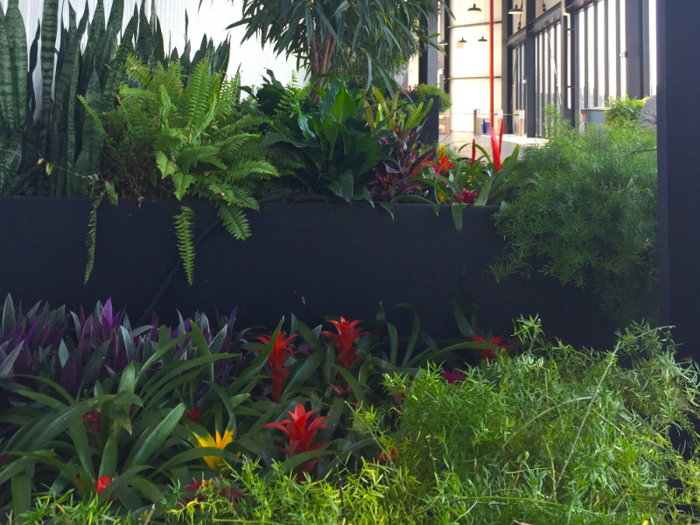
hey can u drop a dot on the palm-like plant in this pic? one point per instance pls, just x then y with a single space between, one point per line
327 34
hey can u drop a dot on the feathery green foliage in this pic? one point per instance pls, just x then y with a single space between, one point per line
184 229
590 217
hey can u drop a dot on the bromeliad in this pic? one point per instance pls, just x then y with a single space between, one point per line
344 341
221 442
301 430
488 353
277 362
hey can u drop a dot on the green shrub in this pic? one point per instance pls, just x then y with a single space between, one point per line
623 110
589 219
422 92
556 435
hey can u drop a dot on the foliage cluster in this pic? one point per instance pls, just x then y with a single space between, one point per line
552 435
623 110
589 219
60 134
107 410
422 92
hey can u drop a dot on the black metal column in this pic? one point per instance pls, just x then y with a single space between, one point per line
634 17
679 185
428 61
530 59
507 77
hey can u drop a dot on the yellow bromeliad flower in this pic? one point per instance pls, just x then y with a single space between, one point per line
221 442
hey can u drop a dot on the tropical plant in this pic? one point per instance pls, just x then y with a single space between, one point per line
332 34
623 110
590 217
333 140
56 150
198 140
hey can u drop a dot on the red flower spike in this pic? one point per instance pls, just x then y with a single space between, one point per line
344 341
383 458
277 362
301 430
231 493
454 377
443 167
487 353
102 483
93 419
496 151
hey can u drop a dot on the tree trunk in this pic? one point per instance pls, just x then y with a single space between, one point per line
321 60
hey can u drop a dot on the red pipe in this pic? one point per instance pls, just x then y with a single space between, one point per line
491 77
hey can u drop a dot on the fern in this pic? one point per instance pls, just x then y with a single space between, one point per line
200 140
184 229
235 222
91 241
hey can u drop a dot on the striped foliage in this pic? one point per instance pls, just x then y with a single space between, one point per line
62 132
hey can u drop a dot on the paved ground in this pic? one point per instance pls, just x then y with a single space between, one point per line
457 139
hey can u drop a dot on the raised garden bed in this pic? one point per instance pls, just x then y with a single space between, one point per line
310 259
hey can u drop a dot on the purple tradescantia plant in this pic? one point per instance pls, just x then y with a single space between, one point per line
76 350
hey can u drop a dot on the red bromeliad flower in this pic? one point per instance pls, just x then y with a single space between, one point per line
102 483
443 167
455 377
193 414
487 353
496 147
277 362
466 197
301 430
93 419
383 458
344 341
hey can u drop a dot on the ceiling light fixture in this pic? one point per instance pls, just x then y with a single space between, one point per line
474 8
515 10
461 42
483 39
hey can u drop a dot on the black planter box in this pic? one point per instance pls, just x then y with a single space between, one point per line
312 259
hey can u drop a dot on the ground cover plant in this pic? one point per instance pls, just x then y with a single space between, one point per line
549 434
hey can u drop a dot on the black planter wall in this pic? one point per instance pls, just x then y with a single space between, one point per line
312 259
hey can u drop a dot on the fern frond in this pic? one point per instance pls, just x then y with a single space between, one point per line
236 195
184 229
235 222
243 169
91 241
137 71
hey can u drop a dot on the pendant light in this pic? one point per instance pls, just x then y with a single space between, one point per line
515 10
475 8
482 39
461 42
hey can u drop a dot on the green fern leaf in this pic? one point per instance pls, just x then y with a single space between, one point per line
184 229
235 221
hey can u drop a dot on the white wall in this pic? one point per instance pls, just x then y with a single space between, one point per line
469 65
212 19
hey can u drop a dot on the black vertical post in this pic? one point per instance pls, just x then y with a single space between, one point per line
635 47
448 47
507 77
428 61
530 58
679 185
